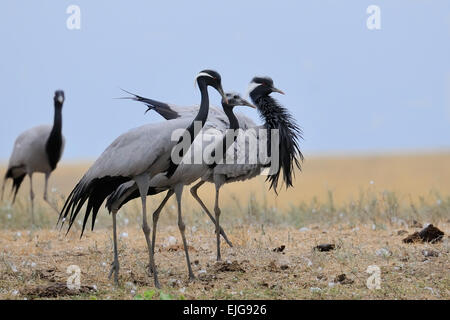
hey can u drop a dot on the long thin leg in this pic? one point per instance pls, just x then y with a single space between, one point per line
156 217
194 193
3 188
217 212
32 200
47 176
114 209
115 265
182 227
143 184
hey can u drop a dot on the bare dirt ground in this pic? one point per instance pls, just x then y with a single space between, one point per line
364 206
34 265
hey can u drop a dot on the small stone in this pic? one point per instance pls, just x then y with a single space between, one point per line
325 247
279 249
430 253
383 252
315 290
124 235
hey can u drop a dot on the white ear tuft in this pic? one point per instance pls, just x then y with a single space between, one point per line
201 74
251 87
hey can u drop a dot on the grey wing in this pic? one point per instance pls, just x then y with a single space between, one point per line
134 152
243 161
29 149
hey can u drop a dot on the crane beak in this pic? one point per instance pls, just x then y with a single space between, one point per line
222 93
277 90
248 104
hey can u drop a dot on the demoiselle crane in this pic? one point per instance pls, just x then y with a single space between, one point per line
186 174
275 117
37 150
139 155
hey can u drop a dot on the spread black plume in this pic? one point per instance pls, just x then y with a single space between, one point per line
290 156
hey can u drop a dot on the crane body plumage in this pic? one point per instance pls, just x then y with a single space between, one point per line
138 156
274 116
37 150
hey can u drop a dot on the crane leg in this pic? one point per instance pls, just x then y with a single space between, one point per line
115 264
32 200
182 227
156 218
217 212
143 184
194 192
47 176
3 188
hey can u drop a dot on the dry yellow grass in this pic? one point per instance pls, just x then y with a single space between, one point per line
409 175
333 198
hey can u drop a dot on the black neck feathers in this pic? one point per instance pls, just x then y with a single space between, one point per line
54 142
230 132
290 156
202 115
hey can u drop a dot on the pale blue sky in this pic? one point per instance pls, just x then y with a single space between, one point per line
350 88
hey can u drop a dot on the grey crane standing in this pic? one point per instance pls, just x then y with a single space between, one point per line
274 116
138 155
38 149
185 175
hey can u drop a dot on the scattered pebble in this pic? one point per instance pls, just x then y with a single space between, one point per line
325 247
124 235
430 253
315 290
279 249
171 241
342 279
303 229
383 252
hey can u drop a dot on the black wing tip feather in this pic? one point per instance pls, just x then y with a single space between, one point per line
94 192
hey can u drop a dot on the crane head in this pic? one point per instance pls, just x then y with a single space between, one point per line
261 86
234 99
59 97
211 78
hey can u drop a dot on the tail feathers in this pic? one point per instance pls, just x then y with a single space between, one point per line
16 185
94 192
160 107
17 181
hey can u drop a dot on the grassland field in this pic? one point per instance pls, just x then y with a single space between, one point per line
365 205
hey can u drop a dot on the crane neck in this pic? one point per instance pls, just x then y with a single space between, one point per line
234 123
229 133
201 116
54 142
57 118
